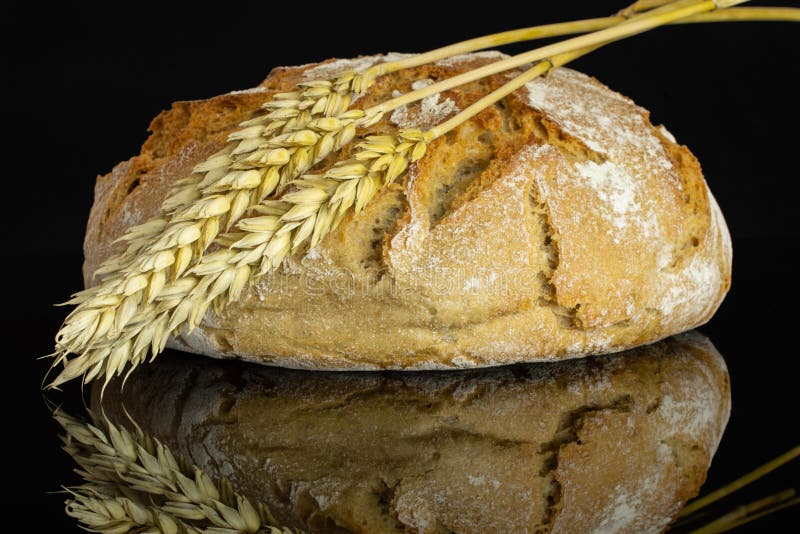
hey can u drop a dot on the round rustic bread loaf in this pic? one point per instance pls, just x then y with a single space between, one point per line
555 224
603 444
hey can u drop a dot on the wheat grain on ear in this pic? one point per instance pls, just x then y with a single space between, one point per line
133 481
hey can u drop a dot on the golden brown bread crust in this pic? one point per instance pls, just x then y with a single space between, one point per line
602 444
554 224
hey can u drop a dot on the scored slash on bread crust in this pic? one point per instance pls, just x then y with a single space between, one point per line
556 223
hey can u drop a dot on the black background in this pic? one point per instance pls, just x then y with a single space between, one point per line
82 86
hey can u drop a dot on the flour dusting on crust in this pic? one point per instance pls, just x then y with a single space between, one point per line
250 91
426 114
616 188
628 512
606 121
331 69
695 285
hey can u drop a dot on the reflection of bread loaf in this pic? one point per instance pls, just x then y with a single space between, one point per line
557 223
611 444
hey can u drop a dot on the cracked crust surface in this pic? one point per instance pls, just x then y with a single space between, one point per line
602 444
555 224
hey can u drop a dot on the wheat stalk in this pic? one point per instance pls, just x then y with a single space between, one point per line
674 11
574 27
133 480
163 282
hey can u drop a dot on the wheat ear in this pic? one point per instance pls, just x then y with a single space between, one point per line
299 130
134 480
312 207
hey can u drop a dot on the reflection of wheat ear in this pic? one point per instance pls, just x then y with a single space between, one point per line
163 282
133 481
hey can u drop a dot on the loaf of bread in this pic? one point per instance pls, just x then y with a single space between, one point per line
557 223
603 444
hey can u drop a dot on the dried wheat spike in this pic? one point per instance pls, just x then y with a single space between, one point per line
134 481
298 130
312 206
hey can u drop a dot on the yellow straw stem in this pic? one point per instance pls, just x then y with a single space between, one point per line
497 39
633 26
539 69
746 14
643 5
740 482
531 33
749 512
579 26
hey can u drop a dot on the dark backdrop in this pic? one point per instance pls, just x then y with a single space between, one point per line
82 86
